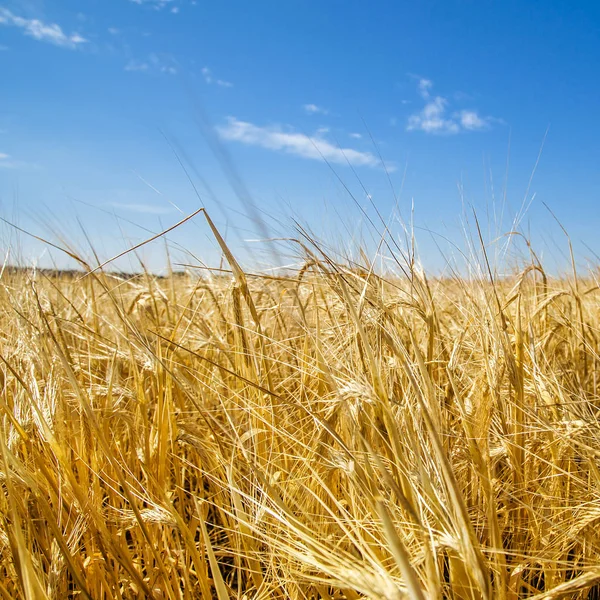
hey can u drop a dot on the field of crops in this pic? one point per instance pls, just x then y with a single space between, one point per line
333 433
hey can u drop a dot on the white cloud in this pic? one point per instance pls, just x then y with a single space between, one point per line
313 109
3 48
154 64
6 162
424 86
113 31
433 117
314 147
356 136
156 4
44 32
161 4
169 70
206 72
134 65
470 120
209 79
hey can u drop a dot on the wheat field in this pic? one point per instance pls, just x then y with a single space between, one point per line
332 433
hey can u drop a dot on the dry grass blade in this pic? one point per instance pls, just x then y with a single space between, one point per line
400 554
220 587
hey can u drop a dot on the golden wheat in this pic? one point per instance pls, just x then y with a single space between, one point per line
331 434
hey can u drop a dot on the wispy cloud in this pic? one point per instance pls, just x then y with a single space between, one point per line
113 31
149 209
136 65
153 64
424 87
207 74
7 162
313 109
469 119
356 136
43 32
156 4
434 118
160 4
290 142
209 79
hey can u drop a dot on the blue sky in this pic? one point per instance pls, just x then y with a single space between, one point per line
100 98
